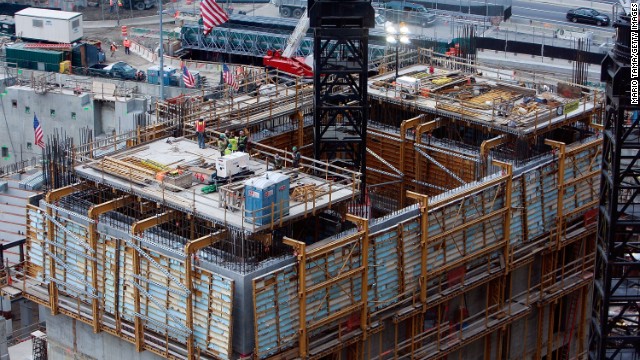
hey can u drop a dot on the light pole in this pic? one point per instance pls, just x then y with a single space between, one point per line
161 54
397 36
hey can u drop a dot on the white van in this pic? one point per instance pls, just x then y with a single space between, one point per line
407 86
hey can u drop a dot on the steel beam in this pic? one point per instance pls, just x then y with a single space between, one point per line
363 227
137 229
424 249
94 212
404 126
51 197
300 250
189 249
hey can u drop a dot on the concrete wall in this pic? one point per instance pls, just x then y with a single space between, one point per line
68 338
243 307
17 127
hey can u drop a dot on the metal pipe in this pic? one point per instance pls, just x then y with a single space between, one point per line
161 54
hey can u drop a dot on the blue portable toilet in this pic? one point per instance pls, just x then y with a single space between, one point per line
153 74
259 194
282 186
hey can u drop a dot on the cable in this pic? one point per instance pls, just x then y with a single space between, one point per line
4 115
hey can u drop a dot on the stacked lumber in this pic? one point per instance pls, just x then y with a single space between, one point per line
456 109
126 170
480 101
304 193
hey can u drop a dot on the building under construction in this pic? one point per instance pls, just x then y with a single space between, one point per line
474 238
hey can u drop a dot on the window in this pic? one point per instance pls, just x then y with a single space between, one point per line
14 103
5 152
29 146
52 112
73 116
75 23
37 23
27 110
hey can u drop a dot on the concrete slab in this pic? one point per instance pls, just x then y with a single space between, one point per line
518 125
21 351
223 207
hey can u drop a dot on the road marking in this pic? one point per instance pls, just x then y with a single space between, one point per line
608 29
542 11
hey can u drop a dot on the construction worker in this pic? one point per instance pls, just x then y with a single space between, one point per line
113 49
296 157
127 44
200 127
229 150
222 144
277 162
242 142
233 141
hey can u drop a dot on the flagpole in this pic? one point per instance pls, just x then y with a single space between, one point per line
161 56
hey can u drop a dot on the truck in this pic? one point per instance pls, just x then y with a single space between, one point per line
118 70
290 8
407 12
49 25
138 4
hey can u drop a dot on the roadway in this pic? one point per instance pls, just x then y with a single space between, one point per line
554 13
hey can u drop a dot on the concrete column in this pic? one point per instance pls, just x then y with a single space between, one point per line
26 312
4 349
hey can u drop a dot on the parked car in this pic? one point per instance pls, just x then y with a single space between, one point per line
408 12
118 70
588 15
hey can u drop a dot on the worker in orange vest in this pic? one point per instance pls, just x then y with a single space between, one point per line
113 48
200 131
127 44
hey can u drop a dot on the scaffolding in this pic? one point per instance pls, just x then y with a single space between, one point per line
473 246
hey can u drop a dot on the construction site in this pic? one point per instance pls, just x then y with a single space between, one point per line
458 216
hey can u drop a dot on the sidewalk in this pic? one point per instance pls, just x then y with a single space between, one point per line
556 68
600 6
147 20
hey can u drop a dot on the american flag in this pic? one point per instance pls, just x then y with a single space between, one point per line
187 77
212 15
227 76
37 130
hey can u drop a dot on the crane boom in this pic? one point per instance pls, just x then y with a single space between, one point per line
293 43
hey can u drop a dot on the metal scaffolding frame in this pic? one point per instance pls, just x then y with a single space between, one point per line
615 322
341 63
252 42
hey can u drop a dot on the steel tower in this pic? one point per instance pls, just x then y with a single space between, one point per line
341 110
614 332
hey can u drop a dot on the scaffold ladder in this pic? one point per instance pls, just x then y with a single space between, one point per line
568 334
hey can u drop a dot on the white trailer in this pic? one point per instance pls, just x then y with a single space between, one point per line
49 25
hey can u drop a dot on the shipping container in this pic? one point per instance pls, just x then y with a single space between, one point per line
49 25
36 59
259 195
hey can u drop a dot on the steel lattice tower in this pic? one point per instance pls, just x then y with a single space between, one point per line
341 110
614 332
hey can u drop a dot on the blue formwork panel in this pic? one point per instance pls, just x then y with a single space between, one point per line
278 287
